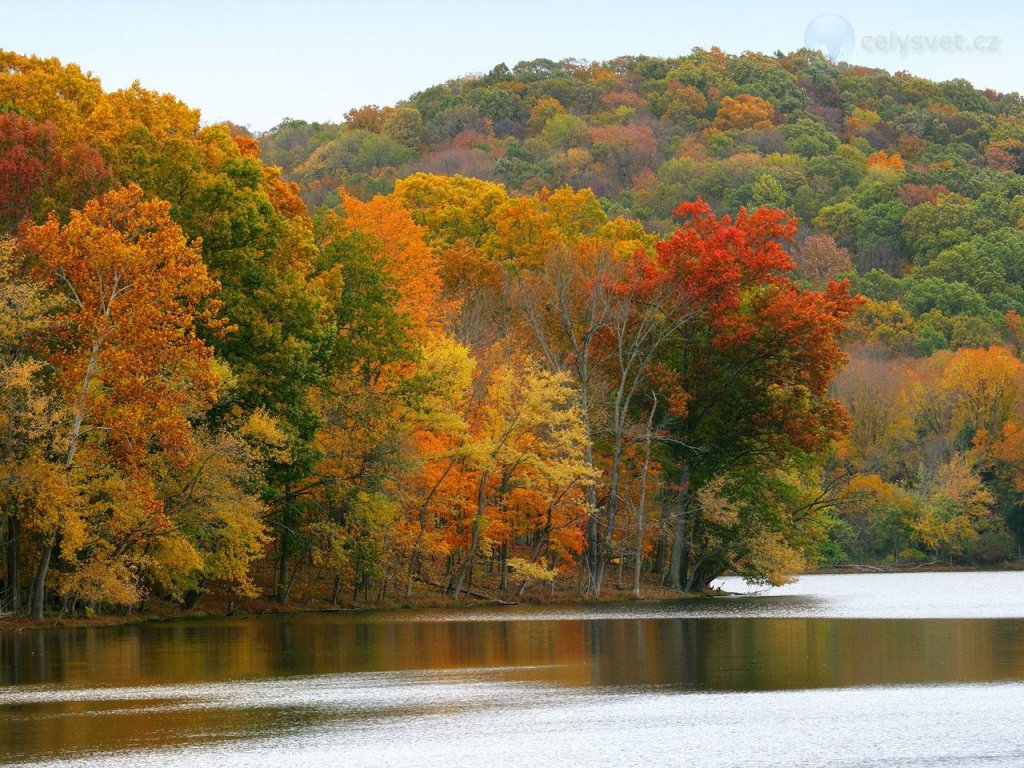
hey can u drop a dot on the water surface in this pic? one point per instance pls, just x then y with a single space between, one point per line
910 669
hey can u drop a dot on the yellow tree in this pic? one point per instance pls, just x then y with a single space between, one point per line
964 399
593 314
33 487
924 436
527 432
955 505
744 111
439 432
45 89
217 511
452 208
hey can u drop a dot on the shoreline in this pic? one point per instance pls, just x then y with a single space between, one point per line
220 606
918 568
262 608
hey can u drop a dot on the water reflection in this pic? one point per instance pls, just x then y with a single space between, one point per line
301 689
705 654
75 690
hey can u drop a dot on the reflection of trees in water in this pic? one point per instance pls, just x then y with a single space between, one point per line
697 654
701 653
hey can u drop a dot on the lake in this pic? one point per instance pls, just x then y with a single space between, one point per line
921 669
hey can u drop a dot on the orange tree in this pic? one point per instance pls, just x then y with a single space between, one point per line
131 368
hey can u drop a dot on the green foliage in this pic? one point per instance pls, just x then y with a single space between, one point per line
810 138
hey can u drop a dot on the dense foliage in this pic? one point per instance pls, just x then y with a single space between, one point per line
479 340
916 182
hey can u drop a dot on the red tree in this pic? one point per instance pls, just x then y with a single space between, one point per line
750 373
37 174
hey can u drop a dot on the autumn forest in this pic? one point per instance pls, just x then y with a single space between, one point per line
565 328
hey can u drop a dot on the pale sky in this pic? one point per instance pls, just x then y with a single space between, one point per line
257 62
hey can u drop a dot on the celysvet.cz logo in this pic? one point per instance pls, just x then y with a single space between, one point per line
834 36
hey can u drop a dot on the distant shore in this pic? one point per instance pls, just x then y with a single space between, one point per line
917 568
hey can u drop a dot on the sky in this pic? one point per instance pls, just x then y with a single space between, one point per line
258 62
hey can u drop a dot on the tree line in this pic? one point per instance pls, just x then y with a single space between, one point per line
444 387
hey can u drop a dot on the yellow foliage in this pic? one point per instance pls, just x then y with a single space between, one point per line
448 367
214 515
744 111
161 114
530 420
715 506
956 505
174 565
45 89
772 557
107 583
452 208
524 569
880 501
267 441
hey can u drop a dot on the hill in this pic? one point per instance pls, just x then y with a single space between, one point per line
895 168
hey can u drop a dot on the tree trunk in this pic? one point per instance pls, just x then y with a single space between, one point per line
659 554
11 596
291 581
467 566
449 567
39 584
611 509
284 580
413 561
311 578
421 534
680 551
282 566
503 561
592 554
538 546
638 553
700 576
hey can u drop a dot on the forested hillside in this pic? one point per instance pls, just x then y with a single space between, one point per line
561 327
900 171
